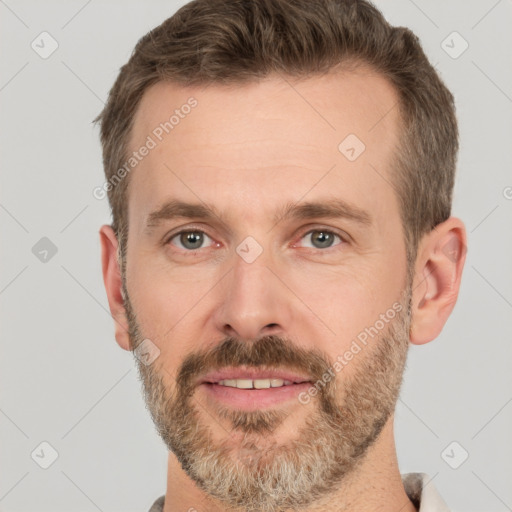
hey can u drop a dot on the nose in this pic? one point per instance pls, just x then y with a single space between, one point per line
254 302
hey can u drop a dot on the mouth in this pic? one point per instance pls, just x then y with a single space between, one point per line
253 388
255 383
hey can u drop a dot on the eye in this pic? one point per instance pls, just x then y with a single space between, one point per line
190 240
321 238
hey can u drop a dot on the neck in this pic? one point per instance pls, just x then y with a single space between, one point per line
375 486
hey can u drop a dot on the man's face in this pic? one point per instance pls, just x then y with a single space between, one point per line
310 297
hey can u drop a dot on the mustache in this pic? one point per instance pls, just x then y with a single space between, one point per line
268 351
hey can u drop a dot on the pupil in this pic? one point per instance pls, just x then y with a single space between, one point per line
193 238
324 239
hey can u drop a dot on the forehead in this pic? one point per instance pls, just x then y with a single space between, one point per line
278 134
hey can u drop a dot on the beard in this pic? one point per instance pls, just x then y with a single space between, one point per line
248 469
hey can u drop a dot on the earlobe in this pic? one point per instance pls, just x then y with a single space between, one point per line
439 265
113 284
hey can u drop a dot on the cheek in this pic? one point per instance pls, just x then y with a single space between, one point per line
341 303
173 309
156 287
160 306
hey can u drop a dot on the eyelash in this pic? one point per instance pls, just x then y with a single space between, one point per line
343 238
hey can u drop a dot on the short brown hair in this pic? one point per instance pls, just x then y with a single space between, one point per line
234 41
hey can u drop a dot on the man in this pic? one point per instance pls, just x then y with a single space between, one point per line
280 175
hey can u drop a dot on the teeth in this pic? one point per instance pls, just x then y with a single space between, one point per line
256 383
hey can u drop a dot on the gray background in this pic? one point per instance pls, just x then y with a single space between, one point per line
65 381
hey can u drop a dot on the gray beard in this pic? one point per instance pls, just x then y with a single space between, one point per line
248 470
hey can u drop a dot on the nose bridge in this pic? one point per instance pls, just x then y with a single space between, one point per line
253 301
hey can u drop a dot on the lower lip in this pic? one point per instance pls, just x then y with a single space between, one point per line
251 399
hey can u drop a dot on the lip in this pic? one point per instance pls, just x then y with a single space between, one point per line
253 373
253 399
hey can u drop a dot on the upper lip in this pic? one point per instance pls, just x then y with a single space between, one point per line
253 374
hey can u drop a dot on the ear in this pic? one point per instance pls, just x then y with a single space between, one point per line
113 285
438 273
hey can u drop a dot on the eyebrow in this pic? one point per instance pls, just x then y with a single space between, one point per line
329 208
175 209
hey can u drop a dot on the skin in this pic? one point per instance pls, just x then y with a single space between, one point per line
248 150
